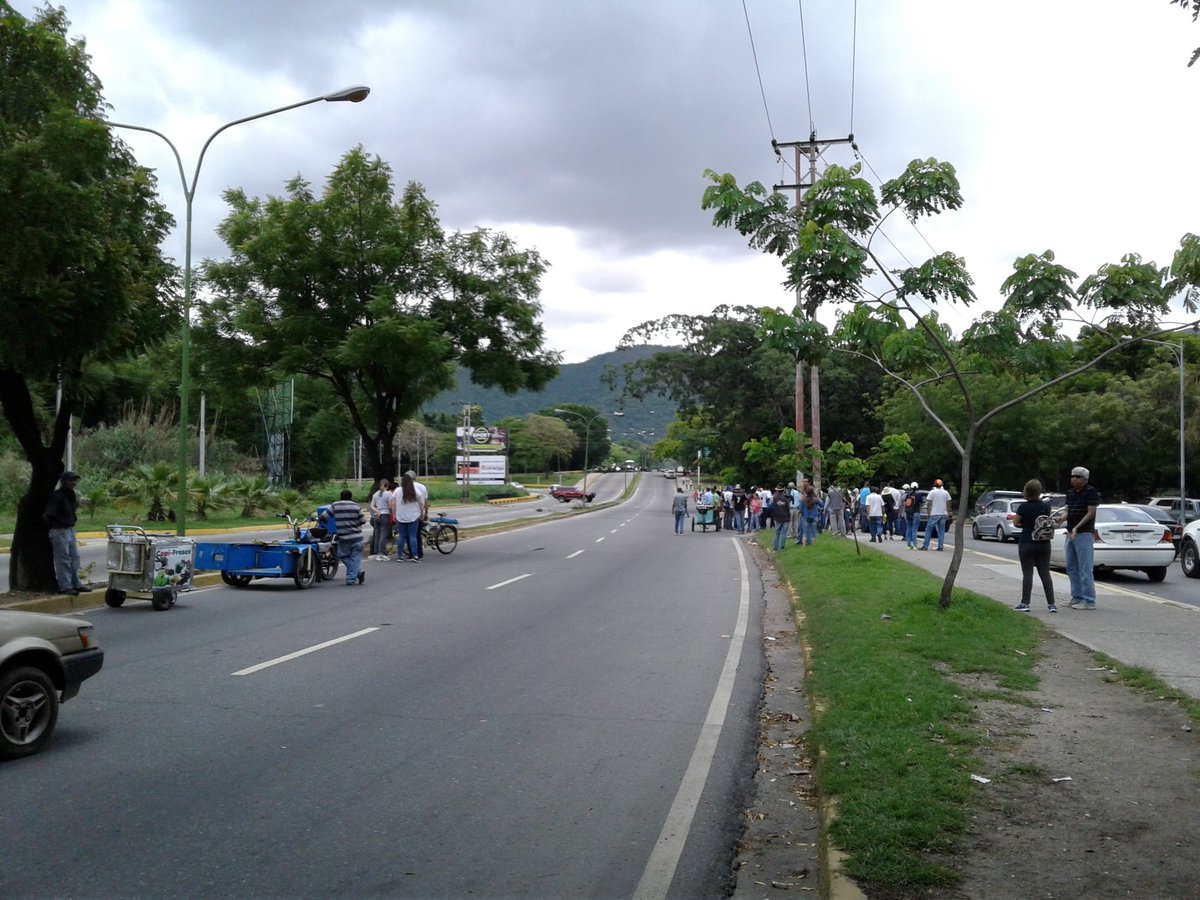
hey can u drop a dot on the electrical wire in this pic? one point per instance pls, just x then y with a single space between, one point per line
804 56
853 65
758 71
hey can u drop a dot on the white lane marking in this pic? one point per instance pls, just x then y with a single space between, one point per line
599 539
307 650
510 581
614 531
573 555
660 869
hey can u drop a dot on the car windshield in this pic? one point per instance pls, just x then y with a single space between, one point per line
1111 514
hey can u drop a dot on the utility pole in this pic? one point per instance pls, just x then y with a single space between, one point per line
807 151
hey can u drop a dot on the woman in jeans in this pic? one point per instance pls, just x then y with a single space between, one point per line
1033 554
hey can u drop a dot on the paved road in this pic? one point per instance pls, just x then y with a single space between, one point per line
564 710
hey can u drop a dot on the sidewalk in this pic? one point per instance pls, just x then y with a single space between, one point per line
1131 627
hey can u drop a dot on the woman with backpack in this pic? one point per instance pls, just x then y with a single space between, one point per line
1033 547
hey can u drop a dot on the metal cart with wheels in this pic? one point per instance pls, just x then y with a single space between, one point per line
160 565
703 517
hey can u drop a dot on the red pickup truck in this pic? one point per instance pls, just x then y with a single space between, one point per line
567 494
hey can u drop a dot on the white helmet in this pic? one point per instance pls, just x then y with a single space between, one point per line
914 486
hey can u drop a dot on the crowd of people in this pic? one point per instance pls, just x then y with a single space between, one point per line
800 513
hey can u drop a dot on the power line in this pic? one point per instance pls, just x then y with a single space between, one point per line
758 71
804 56
853 63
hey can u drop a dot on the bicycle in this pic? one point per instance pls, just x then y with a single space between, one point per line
440 532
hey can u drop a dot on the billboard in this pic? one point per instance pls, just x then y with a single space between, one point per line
491 469
482 439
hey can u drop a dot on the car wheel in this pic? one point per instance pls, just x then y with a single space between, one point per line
28 711
1000 533
1157 573
1189 559
114 598
975 532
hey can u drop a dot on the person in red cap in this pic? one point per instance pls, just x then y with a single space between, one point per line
60 519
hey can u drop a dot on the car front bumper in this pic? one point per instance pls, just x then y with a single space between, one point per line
78 668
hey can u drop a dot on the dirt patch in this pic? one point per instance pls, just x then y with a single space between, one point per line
1093 791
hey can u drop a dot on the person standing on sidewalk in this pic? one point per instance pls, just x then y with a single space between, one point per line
60 518
1033 553
875 514
679 509
407 511
835 505
1080 516
939 507
914 502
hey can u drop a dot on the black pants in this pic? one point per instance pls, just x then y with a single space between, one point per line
1035 554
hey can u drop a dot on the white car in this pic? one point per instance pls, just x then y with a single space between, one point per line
1126 538
1189 550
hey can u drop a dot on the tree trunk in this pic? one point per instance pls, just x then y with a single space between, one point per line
31 567
964 494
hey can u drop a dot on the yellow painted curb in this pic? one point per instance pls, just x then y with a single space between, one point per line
504 501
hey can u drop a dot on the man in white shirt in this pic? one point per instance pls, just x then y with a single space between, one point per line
939 507
875 514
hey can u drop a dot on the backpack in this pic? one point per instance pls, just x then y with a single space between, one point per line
1043 528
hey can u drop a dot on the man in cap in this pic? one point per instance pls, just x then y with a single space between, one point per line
1080 516
60 519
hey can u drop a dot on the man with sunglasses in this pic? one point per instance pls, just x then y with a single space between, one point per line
1080 516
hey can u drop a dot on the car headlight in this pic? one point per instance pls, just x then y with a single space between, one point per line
85 635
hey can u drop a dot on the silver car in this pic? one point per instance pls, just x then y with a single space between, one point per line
996 521
43 661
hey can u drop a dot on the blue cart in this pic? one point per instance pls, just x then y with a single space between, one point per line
306 558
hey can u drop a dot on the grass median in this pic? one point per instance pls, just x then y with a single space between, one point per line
894 731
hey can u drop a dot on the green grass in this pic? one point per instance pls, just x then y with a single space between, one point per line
894 734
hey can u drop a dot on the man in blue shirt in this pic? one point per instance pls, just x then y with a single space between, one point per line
1080 516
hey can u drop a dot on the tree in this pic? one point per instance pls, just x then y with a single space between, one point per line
1195 5
537 440
590 429
372 297
833 260
81 274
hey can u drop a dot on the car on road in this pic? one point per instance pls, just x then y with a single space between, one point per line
996 521
43 661
567 494
1189 550
1125 538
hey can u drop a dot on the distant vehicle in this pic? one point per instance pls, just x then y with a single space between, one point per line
1172 506
567 494
1125 538
43 661
997 521
670 473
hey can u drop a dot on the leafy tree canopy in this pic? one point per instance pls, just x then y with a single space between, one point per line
369 294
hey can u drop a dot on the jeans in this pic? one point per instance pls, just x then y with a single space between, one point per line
408 539
349 552
679 514
1080 553
808 532
876 528
914 525
755 521
66 558
381 535
1035 554
781 533
739 521
938 524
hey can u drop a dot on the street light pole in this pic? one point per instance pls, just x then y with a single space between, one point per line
353 95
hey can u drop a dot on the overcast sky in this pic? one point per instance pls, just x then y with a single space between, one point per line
583 127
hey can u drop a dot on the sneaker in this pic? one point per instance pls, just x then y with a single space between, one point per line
922 548
1089 606
1052 608
1022 607
1077 604
362 576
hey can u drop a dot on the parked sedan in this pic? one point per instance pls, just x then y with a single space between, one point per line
996 521
43 661
1126 538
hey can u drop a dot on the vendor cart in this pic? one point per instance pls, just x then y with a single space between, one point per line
306 558
158 564
704 517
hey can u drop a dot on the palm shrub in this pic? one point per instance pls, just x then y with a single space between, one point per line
254 493
147 486
209 493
